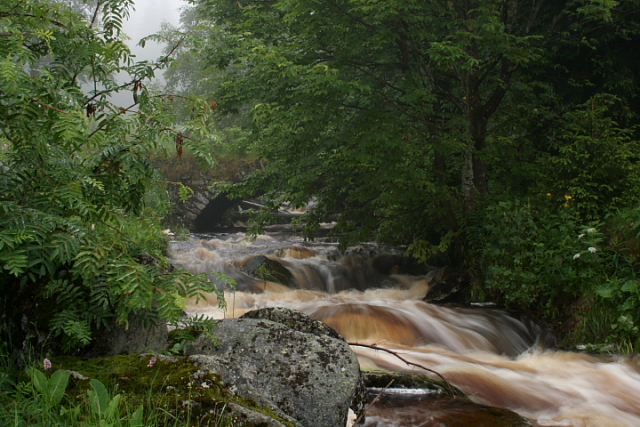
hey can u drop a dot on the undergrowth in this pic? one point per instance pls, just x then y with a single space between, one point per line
44 396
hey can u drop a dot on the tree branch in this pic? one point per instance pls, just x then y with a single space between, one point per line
134 81
355 423
48 106
30 15
375 347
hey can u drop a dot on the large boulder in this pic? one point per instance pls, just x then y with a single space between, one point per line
295 365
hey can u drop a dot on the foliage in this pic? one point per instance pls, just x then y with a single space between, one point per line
538 255
441 125
596 329
44 401
621 289
594 161
352 102
79 244
526 253
397 118
191 74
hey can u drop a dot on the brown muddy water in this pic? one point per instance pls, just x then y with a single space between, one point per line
486 353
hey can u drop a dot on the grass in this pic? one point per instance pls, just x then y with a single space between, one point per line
28 404
595 330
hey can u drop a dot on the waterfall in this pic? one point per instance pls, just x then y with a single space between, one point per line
486 353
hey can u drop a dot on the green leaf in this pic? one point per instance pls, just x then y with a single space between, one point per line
40 382
606 292
137 418
98 397
630 286
57 386
112 408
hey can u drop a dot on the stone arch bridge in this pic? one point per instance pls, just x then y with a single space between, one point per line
206 209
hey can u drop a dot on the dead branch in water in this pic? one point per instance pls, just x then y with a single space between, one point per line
375 347
361 416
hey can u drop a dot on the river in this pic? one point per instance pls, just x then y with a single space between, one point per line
488 354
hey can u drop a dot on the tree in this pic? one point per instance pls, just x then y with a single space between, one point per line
191 75
78 250
395 113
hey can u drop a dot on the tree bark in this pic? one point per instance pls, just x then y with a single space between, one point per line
440 165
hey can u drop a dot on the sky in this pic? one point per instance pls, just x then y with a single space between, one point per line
146 20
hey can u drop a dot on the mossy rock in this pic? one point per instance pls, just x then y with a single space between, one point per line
191 394
308 376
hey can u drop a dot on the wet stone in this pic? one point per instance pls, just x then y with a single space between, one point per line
430 411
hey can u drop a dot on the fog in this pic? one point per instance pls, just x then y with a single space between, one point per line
147 19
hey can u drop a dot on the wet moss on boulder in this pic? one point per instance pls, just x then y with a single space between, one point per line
188 392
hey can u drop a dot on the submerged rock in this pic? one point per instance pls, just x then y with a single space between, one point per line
264 268
305 374
421 410
296 252
380 380
413 399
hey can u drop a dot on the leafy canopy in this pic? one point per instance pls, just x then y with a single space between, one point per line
493 132
398 115
80 246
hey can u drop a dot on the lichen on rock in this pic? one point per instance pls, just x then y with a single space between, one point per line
312 377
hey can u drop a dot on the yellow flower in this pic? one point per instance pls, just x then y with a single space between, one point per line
549 194
568 197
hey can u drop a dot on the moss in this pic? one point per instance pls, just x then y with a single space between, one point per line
174 384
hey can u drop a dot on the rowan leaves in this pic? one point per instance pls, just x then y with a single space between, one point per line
75 233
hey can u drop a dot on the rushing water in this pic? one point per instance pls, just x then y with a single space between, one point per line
486 353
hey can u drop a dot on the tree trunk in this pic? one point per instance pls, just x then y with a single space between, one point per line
440 166
468 186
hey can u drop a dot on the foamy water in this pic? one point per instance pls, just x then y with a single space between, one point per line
486 353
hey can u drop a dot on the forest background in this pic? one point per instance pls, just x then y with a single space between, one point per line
499 138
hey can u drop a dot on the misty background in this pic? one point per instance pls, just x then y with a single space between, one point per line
147 19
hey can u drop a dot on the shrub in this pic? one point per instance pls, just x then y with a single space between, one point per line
77 248
525 252
537 255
